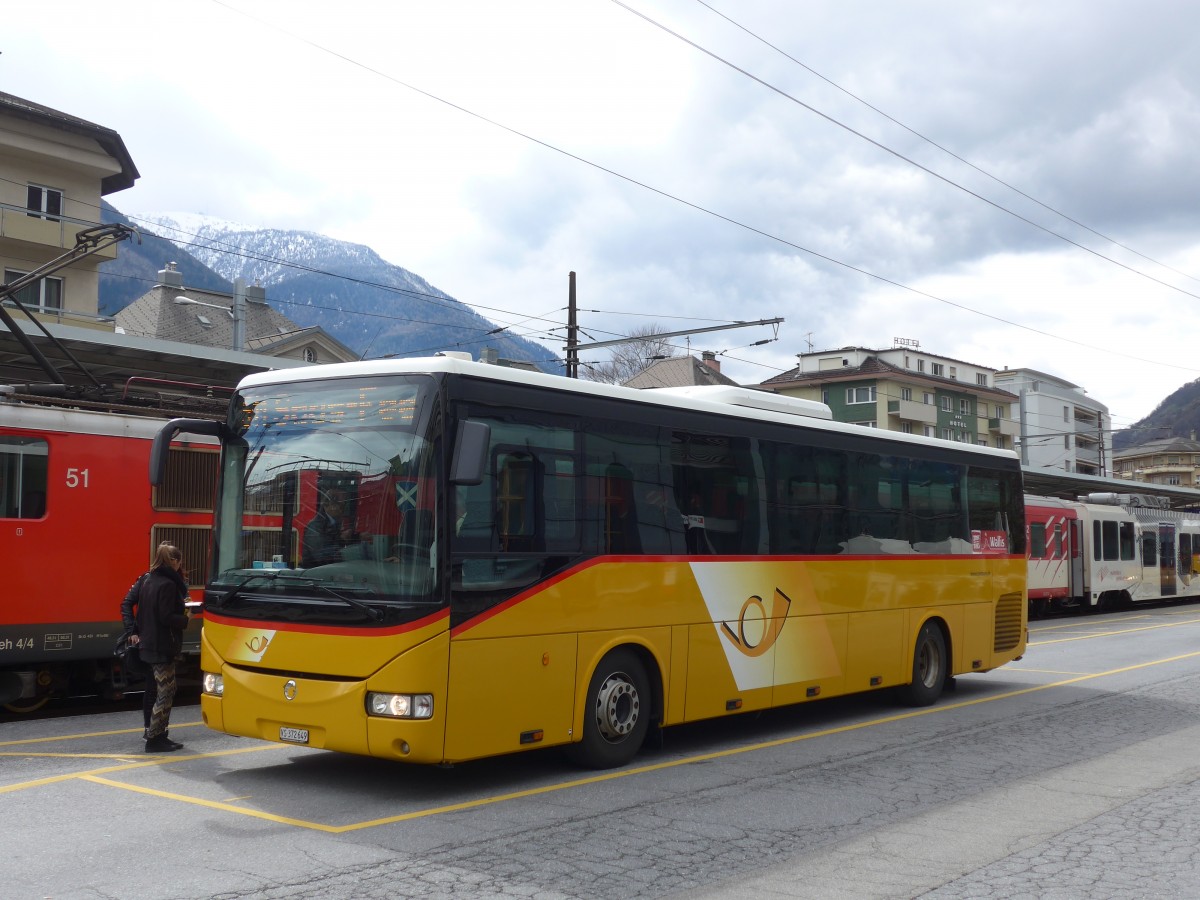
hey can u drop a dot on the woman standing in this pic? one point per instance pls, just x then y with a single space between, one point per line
161 620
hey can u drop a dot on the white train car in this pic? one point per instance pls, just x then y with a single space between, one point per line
1109 550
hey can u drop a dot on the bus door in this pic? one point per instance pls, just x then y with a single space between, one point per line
1166 559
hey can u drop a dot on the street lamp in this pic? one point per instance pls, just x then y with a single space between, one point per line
236 311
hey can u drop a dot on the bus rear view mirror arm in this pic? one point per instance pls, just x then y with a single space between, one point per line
162 442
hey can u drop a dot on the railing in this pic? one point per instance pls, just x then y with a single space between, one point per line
20 224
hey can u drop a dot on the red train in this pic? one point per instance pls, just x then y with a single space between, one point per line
79 522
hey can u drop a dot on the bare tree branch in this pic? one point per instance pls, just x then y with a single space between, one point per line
630 358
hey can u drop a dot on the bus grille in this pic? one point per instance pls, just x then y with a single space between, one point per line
1008 622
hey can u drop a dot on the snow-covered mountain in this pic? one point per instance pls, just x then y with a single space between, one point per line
373 306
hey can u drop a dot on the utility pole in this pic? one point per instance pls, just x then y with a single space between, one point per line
572 347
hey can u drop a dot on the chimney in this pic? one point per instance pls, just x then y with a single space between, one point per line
490 355
709 358
170 276
256 293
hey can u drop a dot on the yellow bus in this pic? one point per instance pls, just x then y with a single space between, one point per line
436 560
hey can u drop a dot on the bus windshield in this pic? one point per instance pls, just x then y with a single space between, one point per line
329 504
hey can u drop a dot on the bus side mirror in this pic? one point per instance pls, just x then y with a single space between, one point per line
470 452
166 434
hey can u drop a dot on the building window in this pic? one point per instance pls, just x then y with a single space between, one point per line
982 442
1000 442
964 406
981 378
946 404
954 372
905 393
1067 441
947 435
920 365
870 423
983 409
938 369
44 202
1001 411
906 427
1066 414
927 398
927 430
45 294
310 355
860 395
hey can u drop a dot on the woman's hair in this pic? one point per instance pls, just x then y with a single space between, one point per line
167 553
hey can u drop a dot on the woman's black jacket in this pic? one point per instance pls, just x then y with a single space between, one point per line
160 616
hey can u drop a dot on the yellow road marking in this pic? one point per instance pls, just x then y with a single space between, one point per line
149 761
1090 622
93 734
628 772
1110 633
1012 668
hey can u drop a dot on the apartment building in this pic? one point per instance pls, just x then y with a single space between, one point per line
905 389
1061 427
54 168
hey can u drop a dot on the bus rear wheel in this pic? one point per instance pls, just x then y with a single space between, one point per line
929 668
618 713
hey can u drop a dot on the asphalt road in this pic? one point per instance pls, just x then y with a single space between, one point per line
1070 774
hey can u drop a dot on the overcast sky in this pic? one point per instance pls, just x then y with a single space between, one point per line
474 143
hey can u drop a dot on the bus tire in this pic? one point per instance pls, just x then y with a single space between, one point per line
617 715
930 668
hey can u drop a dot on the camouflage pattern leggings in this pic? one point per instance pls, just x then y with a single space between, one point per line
164 683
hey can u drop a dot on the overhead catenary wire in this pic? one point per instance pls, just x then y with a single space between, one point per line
699 208
941 147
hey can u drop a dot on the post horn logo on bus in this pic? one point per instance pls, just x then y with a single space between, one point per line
770 624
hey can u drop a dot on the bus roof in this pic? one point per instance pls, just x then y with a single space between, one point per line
745 403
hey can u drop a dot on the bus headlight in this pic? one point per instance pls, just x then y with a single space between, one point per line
214 684
400 706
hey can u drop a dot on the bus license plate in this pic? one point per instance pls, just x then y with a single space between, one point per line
294 735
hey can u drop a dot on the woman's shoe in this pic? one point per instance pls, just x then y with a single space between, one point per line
162 744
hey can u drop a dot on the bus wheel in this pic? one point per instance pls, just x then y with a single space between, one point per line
618 713
929 668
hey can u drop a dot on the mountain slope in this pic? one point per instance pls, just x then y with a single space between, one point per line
374 307
1178 415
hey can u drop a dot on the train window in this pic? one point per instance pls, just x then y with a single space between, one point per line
1112 549
1096 541
1127 540
23 477
1185 553
1149 549
1037 540
1058 550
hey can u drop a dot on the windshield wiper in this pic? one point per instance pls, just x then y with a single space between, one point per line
269 574
371 611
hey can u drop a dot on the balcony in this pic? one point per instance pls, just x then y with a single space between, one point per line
16 224
1006 427
911 411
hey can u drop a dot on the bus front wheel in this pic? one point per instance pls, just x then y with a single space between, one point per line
617 715
929 667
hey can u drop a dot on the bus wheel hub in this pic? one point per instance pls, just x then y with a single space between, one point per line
617 707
